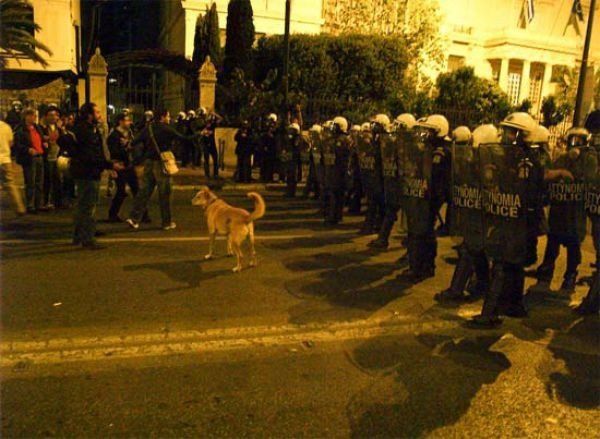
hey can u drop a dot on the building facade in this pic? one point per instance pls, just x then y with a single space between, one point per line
60 22
523 56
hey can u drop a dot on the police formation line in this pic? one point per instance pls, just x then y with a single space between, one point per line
500 186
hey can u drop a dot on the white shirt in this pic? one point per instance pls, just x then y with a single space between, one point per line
6 139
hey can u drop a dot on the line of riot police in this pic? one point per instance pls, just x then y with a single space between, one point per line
497 185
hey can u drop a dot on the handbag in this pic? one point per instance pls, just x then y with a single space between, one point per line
63 163
169 164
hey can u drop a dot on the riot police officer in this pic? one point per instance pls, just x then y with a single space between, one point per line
268 149
467 214
422 188
355 192
314 180
391 145
371 172
289 158
336 154
510 181
567 218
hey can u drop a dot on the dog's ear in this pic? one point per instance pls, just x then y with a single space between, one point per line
210 195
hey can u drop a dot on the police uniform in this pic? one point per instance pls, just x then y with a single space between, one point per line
371 174
336 156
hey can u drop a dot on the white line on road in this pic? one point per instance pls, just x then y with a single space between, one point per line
189 342
170 238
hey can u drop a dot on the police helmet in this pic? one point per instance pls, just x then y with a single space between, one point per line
181 115
436 122
381 120
520 121
148 114
365 127
191 113
17 103
327 125
316 128
540 135
355 128
484 134
461 134
272 117
406 120
577 136
340 124
202 111
294 127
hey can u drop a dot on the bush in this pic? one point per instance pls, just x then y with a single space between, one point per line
553 112
361 72
475 100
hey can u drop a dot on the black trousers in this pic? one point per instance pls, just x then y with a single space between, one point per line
291 182
506 288
375 210
546 270
124 178
334 204
210 151
244 168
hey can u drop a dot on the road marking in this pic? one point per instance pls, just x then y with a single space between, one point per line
13 354
173 238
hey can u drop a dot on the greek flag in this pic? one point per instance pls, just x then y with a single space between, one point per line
529 10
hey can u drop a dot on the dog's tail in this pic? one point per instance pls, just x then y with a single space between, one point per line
259 206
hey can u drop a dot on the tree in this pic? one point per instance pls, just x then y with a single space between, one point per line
212 35
417 22
475 100
207 38
553 111
240 37
200 50
17 33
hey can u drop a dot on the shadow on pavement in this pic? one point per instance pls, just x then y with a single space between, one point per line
190 273
420 384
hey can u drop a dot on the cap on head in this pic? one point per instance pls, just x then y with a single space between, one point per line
461 134
406 120
485 134
436 122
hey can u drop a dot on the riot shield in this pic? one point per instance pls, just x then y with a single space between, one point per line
467 213
328 158
592 197
390 149
505 184
317 154
566 196
366 152
415 169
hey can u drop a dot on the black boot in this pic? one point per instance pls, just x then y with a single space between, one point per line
461 275
569 283
591 302
489 313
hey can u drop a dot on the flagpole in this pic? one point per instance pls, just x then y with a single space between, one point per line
577 117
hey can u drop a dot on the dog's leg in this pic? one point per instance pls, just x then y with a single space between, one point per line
238 253
253 260
229 246
211 245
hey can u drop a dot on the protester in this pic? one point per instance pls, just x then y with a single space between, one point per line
52 181
88 161
29 147
156 138
6 169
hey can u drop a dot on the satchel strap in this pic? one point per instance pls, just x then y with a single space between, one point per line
153 139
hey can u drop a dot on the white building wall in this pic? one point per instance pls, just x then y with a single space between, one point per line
57 19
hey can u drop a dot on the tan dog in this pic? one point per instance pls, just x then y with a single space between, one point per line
234 222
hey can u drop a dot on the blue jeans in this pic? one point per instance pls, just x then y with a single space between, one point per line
33 174
153 178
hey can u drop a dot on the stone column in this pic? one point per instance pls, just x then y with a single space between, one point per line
546 81
503 78
208 83
97 76
525 81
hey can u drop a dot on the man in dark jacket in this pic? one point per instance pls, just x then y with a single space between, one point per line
30 149
120 147
87 164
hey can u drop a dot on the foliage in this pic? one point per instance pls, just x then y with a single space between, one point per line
171 61
524 106
17 33
207 38
553 111
240 37
482 100
360 73
416 22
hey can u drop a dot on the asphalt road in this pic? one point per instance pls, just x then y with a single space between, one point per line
322 339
